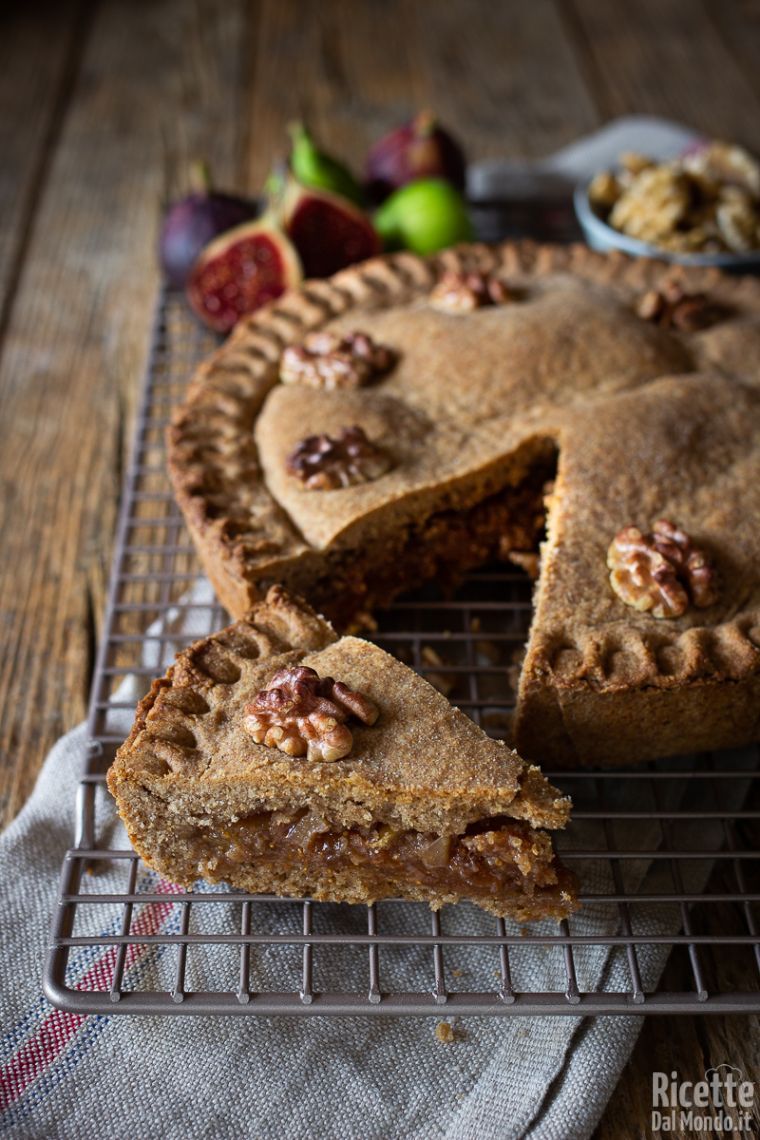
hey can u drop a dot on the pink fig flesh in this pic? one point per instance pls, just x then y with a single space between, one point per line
328 231
418 149
239 272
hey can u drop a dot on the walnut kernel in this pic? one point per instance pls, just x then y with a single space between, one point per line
725 164
604 190
671 307
463 292
323 463
633 163
660 572
326 360
654 205
303 714
737 220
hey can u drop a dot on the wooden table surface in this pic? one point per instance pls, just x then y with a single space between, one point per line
103 105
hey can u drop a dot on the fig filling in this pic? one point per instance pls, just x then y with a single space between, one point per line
443 548
492 858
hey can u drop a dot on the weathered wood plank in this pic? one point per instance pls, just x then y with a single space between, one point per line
38 57
340 70
502 76
737 23
664 57
76 343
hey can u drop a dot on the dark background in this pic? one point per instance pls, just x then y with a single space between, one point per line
102 107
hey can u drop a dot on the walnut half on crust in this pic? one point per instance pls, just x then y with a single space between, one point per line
331 362
661 572
323 463
670 306
304 714
464 292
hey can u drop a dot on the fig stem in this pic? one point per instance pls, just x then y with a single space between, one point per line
424 122
297 130
200 177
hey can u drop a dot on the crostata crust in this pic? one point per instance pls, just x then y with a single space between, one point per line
461 404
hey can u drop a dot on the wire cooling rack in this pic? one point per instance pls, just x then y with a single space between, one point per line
666 853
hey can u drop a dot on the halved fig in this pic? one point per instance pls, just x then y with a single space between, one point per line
328 231
240 271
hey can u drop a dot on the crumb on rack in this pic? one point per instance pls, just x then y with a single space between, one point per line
488 649
431 659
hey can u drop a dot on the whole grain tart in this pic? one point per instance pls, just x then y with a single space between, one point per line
280 758
412 418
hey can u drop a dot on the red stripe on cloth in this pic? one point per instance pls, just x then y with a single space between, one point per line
57 1029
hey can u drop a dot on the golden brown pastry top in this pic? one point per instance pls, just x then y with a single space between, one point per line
684 448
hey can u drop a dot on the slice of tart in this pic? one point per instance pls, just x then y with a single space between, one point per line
646 632
282 759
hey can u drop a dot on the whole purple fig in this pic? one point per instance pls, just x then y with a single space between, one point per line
192 222
418 149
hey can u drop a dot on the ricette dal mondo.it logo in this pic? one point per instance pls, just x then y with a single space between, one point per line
721 1103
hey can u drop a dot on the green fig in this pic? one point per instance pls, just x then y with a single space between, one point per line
312 167
423 216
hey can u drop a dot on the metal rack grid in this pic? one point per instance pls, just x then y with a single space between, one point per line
669 850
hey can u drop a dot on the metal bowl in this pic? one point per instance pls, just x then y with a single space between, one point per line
603 237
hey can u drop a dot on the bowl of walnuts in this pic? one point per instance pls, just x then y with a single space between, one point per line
700 208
